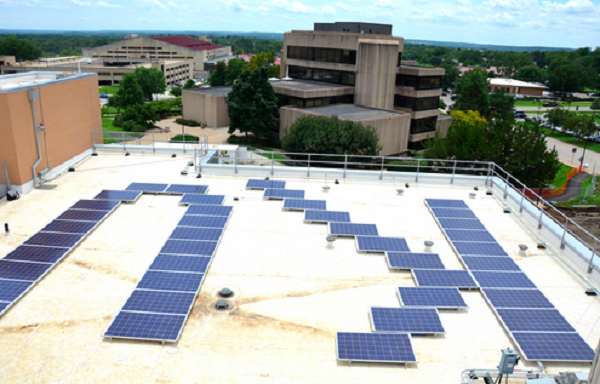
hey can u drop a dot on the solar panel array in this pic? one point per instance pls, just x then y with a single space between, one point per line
408 320
160 304
443 298
193 199
375 347
538 329
168 189
281 194
313 216
265 184
22 268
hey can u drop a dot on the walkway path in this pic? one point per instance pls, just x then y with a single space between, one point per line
573 188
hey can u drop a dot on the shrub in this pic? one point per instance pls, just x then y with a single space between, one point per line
180 139
188 123
138 128
118 121
127 125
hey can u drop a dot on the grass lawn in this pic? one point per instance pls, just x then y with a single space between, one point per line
572 140
109 90
590 200
561 176
529 103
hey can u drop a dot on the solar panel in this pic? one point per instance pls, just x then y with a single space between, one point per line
443 278
210 210
160 302
534 320
63 226
479 249
95 205
347 229
202 200
10 290
264 184
54 239
3 306
126 196
326 216
478 263
440 203
15 270
188 247
189 233
546 346
281 194
517 298
503 280
79 215
194 264
409 260
301 205
411 320
453 213
37 254
145 326
377 347
147 187
461 224
381 244
203 221
178 189
445 298
171 281
476 236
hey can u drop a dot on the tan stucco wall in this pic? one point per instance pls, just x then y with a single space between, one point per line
71 113
205 108
376 73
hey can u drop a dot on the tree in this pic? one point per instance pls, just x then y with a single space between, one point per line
151 80
330 135
104 110
450 76
20 49
115 102
260 59
69 52
595 106
557 116
472 92
530 73
234 70
443 104
189 84
581 124
239 51
568 78
502 104
175 91
130 93
217 78
252 105
144 115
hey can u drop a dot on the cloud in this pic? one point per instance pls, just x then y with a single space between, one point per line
572 7
81 3
463 2
294 6
345 7
106 5
385 4
173 4
262 9
236 5
328 10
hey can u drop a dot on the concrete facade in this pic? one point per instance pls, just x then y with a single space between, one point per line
376 73
7 60
206 106
516 87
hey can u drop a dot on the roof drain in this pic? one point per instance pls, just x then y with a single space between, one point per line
222 305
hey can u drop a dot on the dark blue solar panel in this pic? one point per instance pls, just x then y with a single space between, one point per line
431 297
195 264
147 187
392 348
440 203
73 214
477 236
16 270
408 260
64 226
381 244
37 254
187 189
284 193
517 298
544 346
202 199
118 195
301 204
502 280
10 290
210 210
346 229
54 239
443 278
171 281
131 325
189 233
411 320
3 306
160 302
95 205
203 221
185 247
461 224
534 320
264 184
453 213
326 216
478 263
479 249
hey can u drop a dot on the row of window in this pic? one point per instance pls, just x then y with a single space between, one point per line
324 75
414 104
423 125
419 83
141 47
314 102
324 55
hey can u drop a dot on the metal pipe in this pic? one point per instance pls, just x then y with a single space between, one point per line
308 168
453 171
590 269
44 129
33 95
418 167
6 171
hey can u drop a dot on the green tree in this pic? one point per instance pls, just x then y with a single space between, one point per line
330 135
217 78
175 91
189 84
530 73
595 106
239 51
140 115
502 104
151 80
472 92
130 93
450 76
581 124
20 49
260 59
443 104
252 105
234 70
568 78
115 102
69 52
557 116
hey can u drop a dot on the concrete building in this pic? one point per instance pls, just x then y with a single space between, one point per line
67 108
516 87
7 60
206 106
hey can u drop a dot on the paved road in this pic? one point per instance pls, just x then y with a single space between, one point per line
572 109
565 154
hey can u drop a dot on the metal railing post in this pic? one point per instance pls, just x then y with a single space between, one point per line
382 163
153 141
6 171
345 164
308 169
541 216
418 167
235 155
489 172
522 198
272 162
562 239
453 171
590 269
184 142
505 188
123 139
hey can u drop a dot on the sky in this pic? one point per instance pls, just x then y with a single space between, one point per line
552 23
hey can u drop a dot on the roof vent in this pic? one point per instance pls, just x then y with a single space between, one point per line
400 191
222 305
472 195
591 292
489 192
428 245
330 239
225 292
326 188
476 188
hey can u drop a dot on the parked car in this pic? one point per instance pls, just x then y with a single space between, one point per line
444 94
550 104
104 95
570 133
453 97
520 114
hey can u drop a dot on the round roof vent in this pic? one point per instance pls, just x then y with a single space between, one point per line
222 305
225 292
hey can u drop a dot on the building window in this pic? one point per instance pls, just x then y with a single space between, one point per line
323 55
399 59
414 104
314 102
423 125
324 75
419 83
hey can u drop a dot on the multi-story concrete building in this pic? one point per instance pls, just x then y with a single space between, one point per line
516 87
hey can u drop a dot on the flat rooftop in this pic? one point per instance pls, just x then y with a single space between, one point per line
215 91
351 112
294 294
305 85
29 80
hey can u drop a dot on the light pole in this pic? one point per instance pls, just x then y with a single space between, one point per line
182 126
